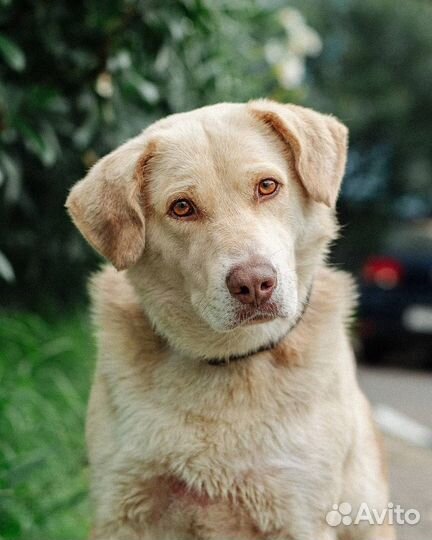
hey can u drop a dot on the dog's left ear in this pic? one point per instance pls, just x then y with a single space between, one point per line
318 143
107 206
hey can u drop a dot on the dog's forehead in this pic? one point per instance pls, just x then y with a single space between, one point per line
207 130
216 141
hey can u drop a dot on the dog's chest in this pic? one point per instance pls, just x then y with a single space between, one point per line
242 458
166 504
193 439
252 508
203 472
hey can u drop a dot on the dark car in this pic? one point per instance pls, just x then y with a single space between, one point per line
395 313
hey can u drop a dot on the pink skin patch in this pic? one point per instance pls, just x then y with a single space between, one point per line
178 489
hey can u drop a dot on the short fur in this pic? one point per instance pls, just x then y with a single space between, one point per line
260 448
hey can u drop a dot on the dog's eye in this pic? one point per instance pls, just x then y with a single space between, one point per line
182 209
268 186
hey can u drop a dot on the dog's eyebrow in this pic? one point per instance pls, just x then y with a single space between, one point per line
264 170
187 189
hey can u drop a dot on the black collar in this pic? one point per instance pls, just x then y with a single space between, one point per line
269 346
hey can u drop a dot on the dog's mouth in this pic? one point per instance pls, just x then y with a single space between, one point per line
257 315
257 319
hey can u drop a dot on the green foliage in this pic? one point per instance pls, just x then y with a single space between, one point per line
45 370
12 54
79 79
374 73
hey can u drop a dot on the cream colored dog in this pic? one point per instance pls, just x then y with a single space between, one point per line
225 404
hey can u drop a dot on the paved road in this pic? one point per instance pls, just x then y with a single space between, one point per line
409 393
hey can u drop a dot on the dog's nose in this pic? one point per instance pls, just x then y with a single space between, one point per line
252 282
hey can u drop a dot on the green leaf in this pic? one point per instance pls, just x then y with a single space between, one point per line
23 471
42 143
12 54
147 90
86 131
11 178
6 270
45 98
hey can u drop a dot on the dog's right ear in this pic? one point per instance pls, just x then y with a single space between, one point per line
107 206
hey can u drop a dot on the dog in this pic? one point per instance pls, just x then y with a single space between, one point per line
225 403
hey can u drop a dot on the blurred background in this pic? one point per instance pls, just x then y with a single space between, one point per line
79 78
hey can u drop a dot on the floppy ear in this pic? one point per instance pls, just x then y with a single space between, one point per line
107 207
318 143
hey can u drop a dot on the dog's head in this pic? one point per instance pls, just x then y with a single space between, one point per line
221 216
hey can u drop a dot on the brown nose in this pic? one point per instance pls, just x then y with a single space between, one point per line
253 282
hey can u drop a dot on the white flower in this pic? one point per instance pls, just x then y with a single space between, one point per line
305 41
290 18
288 55
104 86
302 39
274 51
291 71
